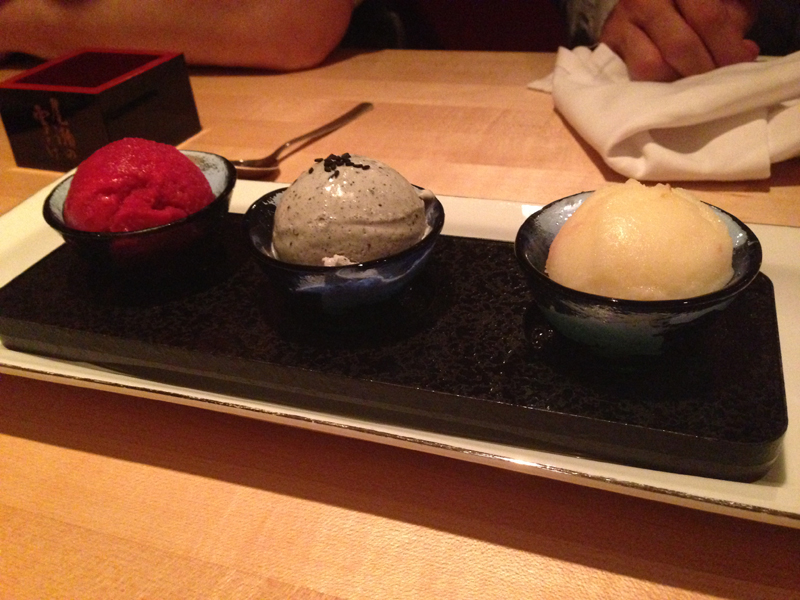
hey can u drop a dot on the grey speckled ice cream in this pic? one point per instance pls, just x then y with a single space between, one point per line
347 209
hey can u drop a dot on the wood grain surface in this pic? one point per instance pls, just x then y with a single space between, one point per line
111 496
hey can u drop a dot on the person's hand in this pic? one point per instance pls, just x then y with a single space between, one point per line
664 40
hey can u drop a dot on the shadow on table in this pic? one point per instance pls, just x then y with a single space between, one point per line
652 541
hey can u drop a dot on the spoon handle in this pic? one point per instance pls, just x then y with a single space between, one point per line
324 129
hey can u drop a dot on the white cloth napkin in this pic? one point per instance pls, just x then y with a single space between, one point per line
729 124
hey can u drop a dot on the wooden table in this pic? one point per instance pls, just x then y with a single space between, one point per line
104 495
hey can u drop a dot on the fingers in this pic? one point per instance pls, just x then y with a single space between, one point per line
721 25
664 40
640 54
655 41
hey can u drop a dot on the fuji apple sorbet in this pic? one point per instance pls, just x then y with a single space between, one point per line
635 242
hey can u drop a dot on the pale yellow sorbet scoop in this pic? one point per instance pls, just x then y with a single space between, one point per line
635 242
347 209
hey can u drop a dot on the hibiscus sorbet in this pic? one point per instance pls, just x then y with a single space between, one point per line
134 184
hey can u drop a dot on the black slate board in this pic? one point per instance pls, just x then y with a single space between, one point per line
462 352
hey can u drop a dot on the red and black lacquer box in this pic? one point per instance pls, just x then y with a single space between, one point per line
58 113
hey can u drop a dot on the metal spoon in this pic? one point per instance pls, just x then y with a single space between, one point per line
261 167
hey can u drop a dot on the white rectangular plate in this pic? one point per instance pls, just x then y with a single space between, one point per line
25 238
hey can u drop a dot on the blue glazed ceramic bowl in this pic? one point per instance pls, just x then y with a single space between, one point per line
616 327
338 289
155 247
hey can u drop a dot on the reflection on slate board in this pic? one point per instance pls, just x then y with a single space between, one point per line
463 351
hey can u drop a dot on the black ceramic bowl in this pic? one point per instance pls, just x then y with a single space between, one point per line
615 327
336 289
155 246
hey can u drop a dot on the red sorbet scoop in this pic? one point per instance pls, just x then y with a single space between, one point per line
134 184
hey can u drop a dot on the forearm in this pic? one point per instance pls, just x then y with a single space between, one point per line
274 34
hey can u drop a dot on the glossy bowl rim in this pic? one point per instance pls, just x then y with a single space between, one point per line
436 229
661 306
63 228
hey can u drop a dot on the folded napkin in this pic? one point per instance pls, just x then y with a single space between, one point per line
729 124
